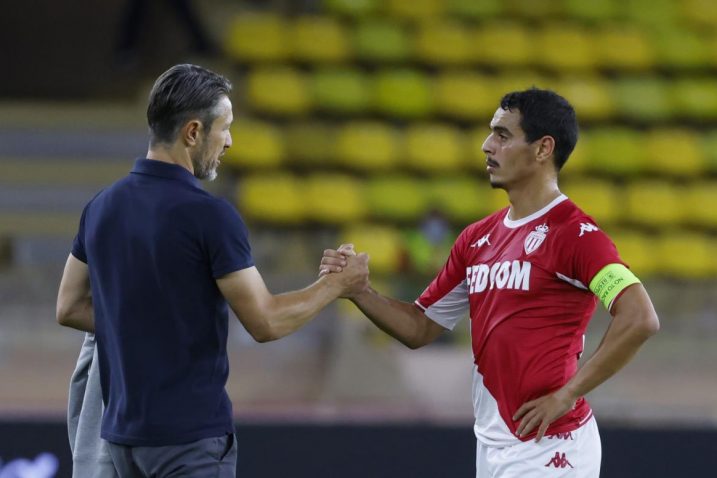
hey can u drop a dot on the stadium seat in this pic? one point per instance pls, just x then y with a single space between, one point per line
319 39
599 198
334 199
465 95
340 90
503 44
564 48
701 13
257 37
475 157
352 8
434 148
680 48
695 98
310 144
497 199
590 96
578 162
709 150
442 42
616 151
367 146
637 250
273 198
533 9
256 145
700 204
472 10
415 10
515 81
462 200
278 91
383 244
654 203
686 255
380 40
594 11
403 94
396 198
673 152
623 48
644 99
653 13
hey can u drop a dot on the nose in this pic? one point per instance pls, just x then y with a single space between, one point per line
228 142
487 146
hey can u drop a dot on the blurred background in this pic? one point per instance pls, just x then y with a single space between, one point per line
362 121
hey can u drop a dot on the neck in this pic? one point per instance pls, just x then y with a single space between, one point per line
171 153
531 198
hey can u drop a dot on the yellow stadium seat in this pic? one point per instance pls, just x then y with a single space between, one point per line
565 47
435 148
353 8
621 47
383 244
601 199
637 250
257 37
674 152
503 44
686 255
700 12
680 48
497 199
465 95
319 39
416 10
443 42
593 11
461 199
654 13
475 157
472 10
695 98
256 144
381 40
367 146
645 99
396 198
278 90
334 199
590 96
340 90
700 204
709 150
578 162
517 81
654 203
533 9
616 151
310 144
403 94
273 198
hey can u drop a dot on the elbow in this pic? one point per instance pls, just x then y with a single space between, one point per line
652 325
263 333
62 315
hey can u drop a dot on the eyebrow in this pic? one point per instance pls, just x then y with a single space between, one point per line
500 129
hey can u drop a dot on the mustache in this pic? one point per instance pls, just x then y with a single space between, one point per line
491 163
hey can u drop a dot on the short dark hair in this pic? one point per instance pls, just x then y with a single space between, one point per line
545 113
180 93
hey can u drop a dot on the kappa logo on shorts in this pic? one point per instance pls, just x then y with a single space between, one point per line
561 436
535 238
559 461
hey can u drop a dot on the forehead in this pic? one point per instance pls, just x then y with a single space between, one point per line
224 108
508 119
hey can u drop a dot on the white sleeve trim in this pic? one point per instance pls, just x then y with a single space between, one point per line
449 309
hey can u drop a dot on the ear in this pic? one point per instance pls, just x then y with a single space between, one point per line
190 132
545 148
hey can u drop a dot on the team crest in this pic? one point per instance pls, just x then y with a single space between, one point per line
535 238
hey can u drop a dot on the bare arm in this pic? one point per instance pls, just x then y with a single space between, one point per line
74 298
269 317
634 321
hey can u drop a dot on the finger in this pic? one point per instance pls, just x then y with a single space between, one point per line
332 253
347 249
542 429
329 269
525 408
333 261
529 421
530 425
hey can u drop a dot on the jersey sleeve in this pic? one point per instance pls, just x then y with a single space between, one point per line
226 240
445 300
78 244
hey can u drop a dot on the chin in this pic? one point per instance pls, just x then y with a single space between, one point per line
495 184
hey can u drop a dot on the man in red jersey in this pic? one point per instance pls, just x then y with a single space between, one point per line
530 276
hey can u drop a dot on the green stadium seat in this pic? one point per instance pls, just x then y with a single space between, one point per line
462 200
257 38
381 40
334 199
434 148
310 144
695 98
621 47
654 203
637 250
465 95
565 48
680 48
503 44
384 245
533 9
352 8
599 198
256 145
273 198
319 39
700 204
472 10
415 10
403 94
341 91
367 146
442 42
616 151
396 198
674 152
644 99
654 13
709 150
701 13
686 255
590 96
593 11
278 91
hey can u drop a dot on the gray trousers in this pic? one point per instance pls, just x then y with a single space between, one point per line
90 455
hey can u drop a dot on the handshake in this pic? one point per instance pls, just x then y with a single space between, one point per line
346 270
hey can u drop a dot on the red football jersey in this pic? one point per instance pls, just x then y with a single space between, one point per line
525 284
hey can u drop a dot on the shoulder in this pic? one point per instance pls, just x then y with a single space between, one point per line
572 221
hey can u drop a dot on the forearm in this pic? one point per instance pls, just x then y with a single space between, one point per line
80 316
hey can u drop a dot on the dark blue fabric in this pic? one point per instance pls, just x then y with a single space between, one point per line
155 242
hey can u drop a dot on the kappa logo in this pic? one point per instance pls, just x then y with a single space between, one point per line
481 241
559 461
562 436
587 227
535 238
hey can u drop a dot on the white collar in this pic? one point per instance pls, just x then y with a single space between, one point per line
509 223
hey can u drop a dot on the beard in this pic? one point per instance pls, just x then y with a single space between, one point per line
204 166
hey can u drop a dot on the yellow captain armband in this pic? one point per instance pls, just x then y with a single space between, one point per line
610 281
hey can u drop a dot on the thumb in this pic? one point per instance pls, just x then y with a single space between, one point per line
347 249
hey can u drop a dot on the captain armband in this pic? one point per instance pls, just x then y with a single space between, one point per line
610 281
